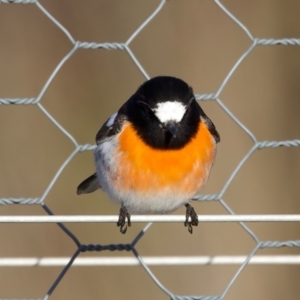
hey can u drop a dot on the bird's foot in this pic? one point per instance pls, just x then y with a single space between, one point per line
122 219
190 213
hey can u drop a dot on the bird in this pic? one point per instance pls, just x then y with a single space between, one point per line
155 154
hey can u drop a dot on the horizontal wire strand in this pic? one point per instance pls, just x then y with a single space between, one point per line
147 218
149 260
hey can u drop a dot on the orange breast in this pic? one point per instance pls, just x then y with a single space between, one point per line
145 169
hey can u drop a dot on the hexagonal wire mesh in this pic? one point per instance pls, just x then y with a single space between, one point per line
144 262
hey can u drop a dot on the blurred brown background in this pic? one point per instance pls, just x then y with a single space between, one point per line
193 40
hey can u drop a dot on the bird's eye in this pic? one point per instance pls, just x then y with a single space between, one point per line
148 112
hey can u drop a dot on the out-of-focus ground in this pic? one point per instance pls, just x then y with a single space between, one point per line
193 40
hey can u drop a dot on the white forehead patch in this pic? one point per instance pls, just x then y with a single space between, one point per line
169 111
111 120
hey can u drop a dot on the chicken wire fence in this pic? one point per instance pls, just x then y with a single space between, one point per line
137 259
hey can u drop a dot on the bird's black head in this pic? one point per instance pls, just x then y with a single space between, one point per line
164 112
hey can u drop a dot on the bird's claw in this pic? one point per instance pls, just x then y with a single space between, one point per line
122 219
190 213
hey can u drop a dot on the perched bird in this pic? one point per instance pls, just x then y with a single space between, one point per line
155 153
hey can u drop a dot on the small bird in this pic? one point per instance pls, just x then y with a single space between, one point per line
155 153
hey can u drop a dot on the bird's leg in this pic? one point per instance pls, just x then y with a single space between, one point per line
122 219
190 213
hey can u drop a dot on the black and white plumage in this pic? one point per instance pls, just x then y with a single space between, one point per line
162 120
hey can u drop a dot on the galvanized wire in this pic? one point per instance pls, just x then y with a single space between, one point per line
215 96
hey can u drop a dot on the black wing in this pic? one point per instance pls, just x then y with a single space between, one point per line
212 129
111 127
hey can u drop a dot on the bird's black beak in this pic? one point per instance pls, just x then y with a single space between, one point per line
172 128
